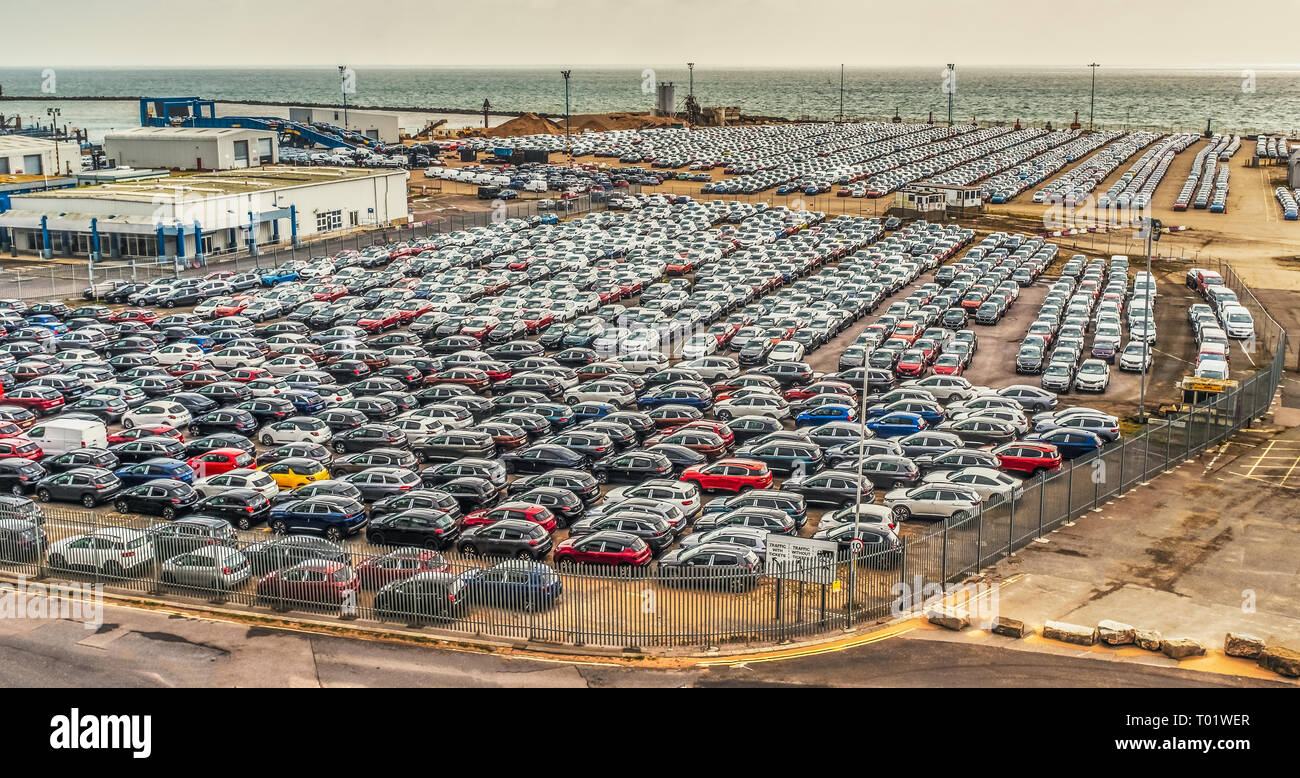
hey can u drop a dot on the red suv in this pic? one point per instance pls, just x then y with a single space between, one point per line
730 475
219 460
537 514
145 431
620 549
315 581
400 564
21 447
1027 457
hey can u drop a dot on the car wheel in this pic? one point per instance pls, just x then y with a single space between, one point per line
902 513
377 538
724 415
16 490
601 477
168 578
112 569
523 555
334 534
565 563
120 506
339 448
88 500
960 516
128 423
737 584
267 440
57 561
624 569
469 550
280 528
43 495
244 523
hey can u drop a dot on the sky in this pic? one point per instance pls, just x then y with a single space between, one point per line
719 33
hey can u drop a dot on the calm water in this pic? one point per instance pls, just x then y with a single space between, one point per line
1179 99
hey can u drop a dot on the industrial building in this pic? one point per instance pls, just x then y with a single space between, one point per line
192 148
382 127
21 155
1293 170
202 214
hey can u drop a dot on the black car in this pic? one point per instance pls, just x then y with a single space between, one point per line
375 457
225 393
22 540
369 436
136 451
541 457
198 446
564 504
751 426
232 420
267 410
830 487
81 457
957 458
583 485
342 419
881 547
472 493
107 409
164 497
425 527
633 467
434 499
280 553
887 471
494 471
89 486
18 476
534 424
314 451
450 445
655 531
242 508
197 404
328 488
507 537
681 457
423 597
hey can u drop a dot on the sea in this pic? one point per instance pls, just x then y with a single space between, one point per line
1229 99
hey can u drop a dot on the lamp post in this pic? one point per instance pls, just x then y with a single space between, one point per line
952 87
568 148
1092 99
343 87
54 128
1153 227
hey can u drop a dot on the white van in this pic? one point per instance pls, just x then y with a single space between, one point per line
1238 322
59 436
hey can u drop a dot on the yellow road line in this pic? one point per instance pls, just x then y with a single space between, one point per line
1257 461
798 653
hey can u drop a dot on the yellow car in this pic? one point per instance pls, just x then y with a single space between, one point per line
295 471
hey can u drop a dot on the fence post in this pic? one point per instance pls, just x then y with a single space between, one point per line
1011 521
979 542
943 564
1123 449
1069 494
1042 497
1187 429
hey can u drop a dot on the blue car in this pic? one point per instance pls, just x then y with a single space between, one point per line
515 584
558 414
896 424
333 516
1072 443
691 399
277 275
51 323
825 413
150 469
592 410
304 401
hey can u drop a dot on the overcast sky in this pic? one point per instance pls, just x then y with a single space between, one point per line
478 34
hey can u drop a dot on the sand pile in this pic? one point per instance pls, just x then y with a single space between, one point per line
528 124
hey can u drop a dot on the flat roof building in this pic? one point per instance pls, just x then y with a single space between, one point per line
192 148
184 215
21 155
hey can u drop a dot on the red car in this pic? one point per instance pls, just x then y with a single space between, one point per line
911 363
147 431
730 475
179 369
619 549
411 310
537 319
233 308
716 427
245 374
135 314
330 292
20 447
465 376
1027 457
40 400
400 564
382 319
198 378
8 429
315 581
537 514
220 460
948 364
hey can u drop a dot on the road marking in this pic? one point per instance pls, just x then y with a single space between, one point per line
1251 474
874 637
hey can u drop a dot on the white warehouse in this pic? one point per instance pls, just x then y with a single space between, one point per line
24 156
191 148
204 213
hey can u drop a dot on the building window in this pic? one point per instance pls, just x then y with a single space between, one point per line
265 156
32 165
354 218
327 221
4 166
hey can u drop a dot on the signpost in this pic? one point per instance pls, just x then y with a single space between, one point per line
801 559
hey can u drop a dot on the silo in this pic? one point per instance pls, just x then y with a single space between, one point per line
666 99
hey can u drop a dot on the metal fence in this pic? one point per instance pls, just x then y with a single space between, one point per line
48 280
648 607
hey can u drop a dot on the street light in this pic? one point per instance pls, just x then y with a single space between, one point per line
343 87
1153 227
54 128
1092 100
568 148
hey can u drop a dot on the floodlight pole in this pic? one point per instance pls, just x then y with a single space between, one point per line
1153 227
1092 99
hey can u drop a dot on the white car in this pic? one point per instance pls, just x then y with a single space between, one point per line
931 500
79 356
701 345
208 308
713 368
179 352
268 387
642 361
113 551
984 480
289 364
232 357
296 429
239 478
95 377
757 404
1210 368
618 393
786 351
261 310
418 428
157 412
1093 376
400 355
945 388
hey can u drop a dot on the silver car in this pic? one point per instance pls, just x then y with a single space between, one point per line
211 567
